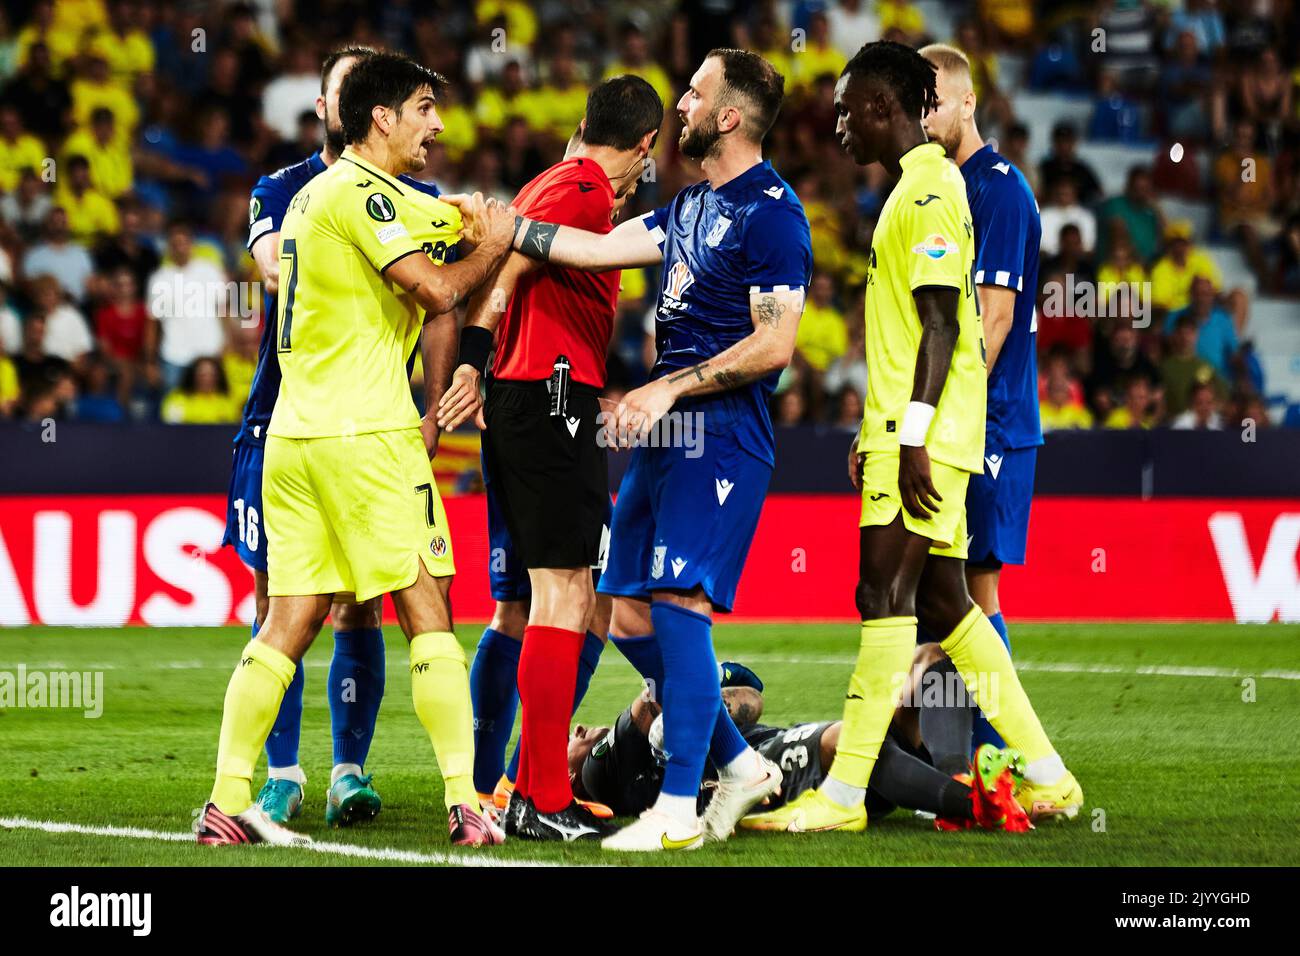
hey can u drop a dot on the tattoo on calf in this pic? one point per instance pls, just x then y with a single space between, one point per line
770 311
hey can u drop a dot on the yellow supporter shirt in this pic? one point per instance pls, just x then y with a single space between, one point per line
652 73
924 237
110 166
344 331
822 335
88 215
178 408
1171 287
1056 418
26 152
88 97
127 56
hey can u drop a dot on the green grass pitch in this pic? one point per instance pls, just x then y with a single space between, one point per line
1183 737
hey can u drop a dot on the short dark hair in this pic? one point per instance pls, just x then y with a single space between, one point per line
748 76
620 111
901 69
381 79
342 53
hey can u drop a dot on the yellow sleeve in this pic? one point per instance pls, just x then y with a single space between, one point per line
371 220
8 381
933 232
173 408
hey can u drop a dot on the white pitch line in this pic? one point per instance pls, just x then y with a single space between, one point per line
1065 667
337 849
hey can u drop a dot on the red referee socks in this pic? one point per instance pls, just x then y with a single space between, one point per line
548 677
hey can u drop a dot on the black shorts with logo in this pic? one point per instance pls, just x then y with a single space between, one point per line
551 472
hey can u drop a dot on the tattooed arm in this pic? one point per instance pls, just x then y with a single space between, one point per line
767 349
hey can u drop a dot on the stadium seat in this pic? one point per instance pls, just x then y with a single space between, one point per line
1112 161
1233 265
1199 214
1275 329
1041 111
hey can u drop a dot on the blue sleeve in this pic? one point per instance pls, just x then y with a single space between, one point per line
657 222
428 188
778 248
266 207
1000 236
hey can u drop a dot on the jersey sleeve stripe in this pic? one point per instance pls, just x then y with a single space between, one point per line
756 289
649 220
259 229
398 258
1002 278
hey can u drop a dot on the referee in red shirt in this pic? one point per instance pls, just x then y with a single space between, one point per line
541 437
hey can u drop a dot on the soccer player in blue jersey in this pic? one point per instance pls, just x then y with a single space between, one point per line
1007 235
356 676
736 260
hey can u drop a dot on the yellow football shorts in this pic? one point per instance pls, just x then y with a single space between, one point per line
352 515
881 502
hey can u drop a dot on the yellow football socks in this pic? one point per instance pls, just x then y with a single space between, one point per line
440 692
253 699
984 664
884 659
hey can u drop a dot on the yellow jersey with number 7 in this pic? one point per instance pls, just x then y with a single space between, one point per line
344 330
924 237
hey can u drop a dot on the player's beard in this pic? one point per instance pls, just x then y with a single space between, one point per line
701 141
334 139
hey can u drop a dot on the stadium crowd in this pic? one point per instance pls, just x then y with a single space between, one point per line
131 132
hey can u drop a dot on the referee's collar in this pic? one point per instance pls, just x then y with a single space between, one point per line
920 153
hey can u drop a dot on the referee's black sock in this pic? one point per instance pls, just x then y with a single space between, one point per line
946 717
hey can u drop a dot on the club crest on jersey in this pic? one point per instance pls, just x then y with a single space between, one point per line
717 232
677 280
438 546
935 247
380 208
254 210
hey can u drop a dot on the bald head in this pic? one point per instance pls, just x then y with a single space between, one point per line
954 117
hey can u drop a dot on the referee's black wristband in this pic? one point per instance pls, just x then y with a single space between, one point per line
475 347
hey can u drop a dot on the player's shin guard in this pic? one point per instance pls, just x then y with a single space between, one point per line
875 687
440 693
691 696
548 675
495 696
356 688
252 700
982 659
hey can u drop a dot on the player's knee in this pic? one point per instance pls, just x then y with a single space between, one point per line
939 612
355 617
510 618
875 600
928 655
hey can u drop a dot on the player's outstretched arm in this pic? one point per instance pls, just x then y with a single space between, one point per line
767 349
438 355
936 307
462 399
628 245
439 289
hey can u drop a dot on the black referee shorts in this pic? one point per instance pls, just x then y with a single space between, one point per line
550 471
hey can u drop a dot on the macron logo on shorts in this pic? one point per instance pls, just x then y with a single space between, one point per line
678 564
995 465
572 424
723 487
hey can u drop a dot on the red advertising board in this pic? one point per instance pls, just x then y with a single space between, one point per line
156 559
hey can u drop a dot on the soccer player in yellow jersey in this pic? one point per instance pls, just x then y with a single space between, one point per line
360 261
922 437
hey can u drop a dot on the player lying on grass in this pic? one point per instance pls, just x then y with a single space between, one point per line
354 234
922 438
623 765
355 685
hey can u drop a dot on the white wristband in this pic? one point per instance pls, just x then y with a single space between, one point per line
916 422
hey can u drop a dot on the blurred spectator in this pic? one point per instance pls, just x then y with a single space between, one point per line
1010 22
1015 148
1118 359
1136 213
8 386
94 88
1060 404
1185 84
848 409
97 401
818 56
213 156
37 370
24 210
1121 274
185 298
634 57
1062 209
202 397
128 248
852 24
1266 92
66 334
1287 281
286 96
108 153
121 324
1244 180
1182 368
1071 259
41 97
1059 325
239 361
1174 272
58 256
123 44
1199 20
226 92
1062 163
11 330
849 370
19 149
994 110
822 336
90 212
1115 117
1202 412
1137 410
1216 334
791 406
